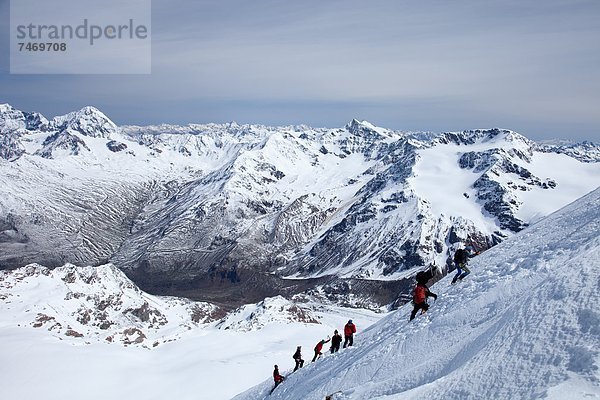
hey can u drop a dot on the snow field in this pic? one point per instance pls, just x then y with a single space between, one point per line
190 363
439 179
536 205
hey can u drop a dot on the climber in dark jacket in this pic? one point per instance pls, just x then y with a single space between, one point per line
277 377
298 358
336 340
461 258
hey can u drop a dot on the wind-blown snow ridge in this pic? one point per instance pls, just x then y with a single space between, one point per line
523 325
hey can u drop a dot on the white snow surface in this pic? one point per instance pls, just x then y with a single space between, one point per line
96 304
178 358
439 179
448 188
525 324
536 204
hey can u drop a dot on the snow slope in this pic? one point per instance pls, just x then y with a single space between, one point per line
203 364
525 324
439 178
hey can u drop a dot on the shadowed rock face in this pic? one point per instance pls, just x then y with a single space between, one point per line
225 212
10 146
115 146
64 141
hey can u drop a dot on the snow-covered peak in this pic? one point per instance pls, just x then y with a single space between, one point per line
11 119
7 110
5 107
490 137
588 152
366 129
13 124
88 121
272 310
356 124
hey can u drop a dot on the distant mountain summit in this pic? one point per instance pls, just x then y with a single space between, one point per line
89 121
234 213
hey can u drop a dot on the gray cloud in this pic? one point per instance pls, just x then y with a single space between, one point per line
431 65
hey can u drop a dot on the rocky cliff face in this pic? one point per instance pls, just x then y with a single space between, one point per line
13 124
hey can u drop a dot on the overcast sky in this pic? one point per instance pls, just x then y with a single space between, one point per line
531 66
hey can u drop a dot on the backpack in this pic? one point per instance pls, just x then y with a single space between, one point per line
420 294
424 276
460 256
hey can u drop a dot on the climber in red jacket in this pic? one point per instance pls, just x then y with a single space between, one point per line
277 377
420 294
349 331
318 348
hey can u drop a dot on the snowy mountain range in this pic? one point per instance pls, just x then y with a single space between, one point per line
231 213
523 325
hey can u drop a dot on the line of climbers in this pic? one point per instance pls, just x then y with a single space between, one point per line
420 294
336 341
